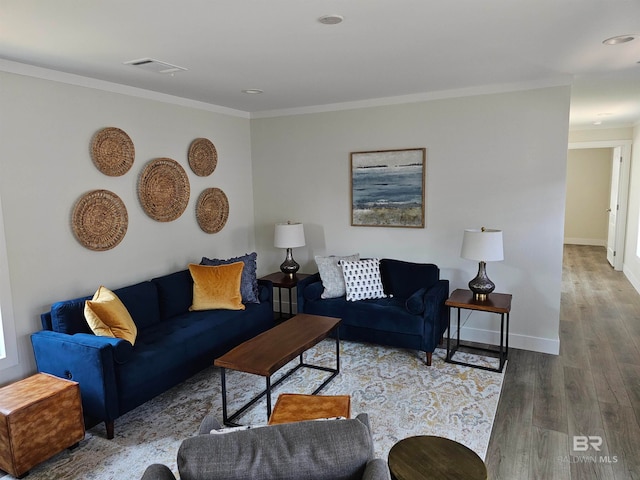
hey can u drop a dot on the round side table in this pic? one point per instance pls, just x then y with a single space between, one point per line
426 456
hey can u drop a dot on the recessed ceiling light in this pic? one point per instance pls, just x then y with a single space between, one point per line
619 39
252 91
331 19
598 122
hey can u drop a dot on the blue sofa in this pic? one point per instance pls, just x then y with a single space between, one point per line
412 316
172 344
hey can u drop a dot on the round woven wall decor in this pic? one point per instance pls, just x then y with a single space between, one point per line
212 210
112 151
99 220
203 157
163 189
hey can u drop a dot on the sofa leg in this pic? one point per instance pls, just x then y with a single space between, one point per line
428 358
110 428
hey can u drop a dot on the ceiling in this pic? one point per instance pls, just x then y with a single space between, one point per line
382 49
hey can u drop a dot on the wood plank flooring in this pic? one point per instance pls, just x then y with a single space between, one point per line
591 389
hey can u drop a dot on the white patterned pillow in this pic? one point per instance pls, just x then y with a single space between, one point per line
362 279
331 274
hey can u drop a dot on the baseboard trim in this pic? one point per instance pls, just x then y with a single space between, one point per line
516 340
635 282
596 242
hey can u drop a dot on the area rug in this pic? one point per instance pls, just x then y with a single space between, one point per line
402 396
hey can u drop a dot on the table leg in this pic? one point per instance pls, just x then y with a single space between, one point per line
290 305
268 398
449 337
506 353
458 332
337 351
224 396
501 341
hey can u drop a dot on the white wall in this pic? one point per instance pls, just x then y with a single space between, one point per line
45 166
631 266
588 192
492 160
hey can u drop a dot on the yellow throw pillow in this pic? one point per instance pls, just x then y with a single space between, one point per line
108 317
217 287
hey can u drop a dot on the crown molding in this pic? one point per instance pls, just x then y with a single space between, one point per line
88 82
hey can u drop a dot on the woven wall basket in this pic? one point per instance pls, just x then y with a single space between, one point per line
163 189
99 220
112 151
203 157
212 210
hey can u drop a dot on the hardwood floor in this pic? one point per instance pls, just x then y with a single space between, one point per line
591 389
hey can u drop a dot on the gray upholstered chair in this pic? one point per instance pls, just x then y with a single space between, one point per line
311 450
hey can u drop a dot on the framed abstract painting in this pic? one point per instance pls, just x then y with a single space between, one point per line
388 188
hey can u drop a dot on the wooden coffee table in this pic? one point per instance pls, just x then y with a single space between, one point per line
266 353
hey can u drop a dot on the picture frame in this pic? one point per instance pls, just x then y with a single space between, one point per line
388 188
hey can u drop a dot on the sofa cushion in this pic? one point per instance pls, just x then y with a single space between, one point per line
108 317
331 274
217 287
68 316
362 279
248 281
175 293
312 449
402 279
142 303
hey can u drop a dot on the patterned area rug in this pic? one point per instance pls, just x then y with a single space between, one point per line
402 396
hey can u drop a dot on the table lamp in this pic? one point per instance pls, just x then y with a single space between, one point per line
289 235
484 245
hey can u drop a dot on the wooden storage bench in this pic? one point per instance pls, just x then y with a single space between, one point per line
40 416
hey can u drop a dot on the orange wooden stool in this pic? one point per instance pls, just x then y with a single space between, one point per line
39 417
292 407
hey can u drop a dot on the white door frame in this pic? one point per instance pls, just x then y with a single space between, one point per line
623 192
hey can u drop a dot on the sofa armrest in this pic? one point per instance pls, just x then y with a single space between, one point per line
436 313
376 469
157 471
87 359
265 291
302 285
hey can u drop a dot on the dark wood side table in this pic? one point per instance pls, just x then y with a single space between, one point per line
426 456
499 303
280 281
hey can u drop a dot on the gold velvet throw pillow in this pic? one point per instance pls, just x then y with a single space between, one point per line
108 317
217 287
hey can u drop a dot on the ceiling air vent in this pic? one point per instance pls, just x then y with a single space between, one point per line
155 66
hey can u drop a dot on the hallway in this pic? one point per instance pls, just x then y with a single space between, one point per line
590 392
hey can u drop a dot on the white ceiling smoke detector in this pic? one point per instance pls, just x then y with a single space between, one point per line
155 66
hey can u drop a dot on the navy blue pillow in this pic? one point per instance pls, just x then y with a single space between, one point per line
402 279
248 281
68 316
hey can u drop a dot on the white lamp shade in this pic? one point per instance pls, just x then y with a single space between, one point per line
482 245
289 235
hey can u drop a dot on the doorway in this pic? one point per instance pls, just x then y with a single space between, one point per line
614 212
